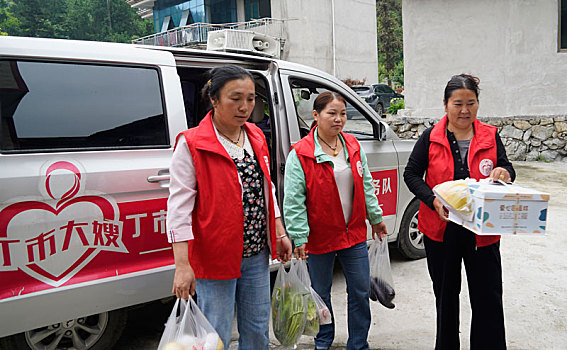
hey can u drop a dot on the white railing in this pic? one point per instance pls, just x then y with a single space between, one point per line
197 33
136 3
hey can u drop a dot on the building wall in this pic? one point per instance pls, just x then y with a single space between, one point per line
309 36
511 45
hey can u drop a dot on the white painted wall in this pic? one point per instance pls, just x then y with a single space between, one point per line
511 45
309 36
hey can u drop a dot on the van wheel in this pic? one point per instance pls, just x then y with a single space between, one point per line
95 332
410 239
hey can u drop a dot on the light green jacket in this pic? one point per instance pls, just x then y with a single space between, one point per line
295 193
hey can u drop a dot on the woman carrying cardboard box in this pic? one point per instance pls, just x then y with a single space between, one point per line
458 147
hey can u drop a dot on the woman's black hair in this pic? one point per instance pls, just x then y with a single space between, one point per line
461 81
323 100
218 77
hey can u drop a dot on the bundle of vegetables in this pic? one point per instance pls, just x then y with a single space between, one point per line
456 197
311 318
288 314
382 292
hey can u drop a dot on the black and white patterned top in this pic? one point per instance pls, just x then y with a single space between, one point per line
255 238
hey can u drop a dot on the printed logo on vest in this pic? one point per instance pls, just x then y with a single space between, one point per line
485 167
359 168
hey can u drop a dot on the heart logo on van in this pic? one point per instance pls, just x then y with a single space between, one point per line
52 239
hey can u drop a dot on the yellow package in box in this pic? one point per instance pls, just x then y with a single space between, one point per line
456 197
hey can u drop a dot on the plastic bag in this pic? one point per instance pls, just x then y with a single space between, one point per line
288 308
188 329
299 268
456 197
323 312
381 280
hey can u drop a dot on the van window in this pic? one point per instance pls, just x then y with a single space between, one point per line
48 106
305 93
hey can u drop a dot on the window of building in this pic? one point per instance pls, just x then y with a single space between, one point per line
563 25
180 12
57 106
256 9
220 11
167 24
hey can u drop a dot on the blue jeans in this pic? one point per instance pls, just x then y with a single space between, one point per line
249 294
354 261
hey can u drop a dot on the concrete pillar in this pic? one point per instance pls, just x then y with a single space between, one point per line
240 11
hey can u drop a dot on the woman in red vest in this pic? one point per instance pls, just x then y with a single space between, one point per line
327 197
457 147
223 219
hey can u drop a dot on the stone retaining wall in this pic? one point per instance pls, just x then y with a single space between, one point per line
525 137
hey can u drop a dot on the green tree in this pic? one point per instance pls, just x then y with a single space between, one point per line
43 18
8 23
390 39
100 20
105 20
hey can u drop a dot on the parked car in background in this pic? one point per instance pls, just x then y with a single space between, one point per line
378 96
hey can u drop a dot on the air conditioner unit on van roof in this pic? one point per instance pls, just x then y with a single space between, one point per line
243 41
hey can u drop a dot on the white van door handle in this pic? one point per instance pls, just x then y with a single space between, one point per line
158 178
162 178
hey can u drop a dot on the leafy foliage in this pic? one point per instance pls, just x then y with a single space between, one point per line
100 20
390 40
395 105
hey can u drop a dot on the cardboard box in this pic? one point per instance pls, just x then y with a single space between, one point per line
505 209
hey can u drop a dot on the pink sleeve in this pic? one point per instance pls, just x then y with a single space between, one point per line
182 192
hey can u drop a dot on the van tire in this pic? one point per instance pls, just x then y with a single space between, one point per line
114 324
410 239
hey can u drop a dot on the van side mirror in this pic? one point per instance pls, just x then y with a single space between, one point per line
382 132
379 131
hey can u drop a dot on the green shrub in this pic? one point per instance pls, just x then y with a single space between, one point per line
395 105
541 158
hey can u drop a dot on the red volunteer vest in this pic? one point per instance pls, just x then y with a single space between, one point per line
218 220
327 228
481 159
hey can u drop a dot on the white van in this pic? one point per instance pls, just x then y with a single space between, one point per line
86 135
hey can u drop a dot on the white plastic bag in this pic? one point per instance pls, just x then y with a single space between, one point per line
456 197
288 308
188 329
299 270
381 280
322 310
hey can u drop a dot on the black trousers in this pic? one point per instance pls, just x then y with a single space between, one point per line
484 276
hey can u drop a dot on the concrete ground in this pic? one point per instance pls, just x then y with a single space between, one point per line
534 278
535 289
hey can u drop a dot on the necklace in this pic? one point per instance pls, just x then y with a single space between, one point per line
331 147
231 140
